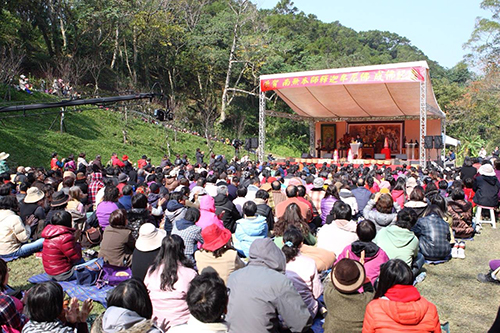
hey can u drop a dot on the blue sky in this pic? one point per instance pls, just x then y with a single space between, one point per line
438 27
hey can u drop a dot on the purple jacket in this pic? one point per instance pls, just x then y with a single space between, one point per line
103 211
326 207
374 257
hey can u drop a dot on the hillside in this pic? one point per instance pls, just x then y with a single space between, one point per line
29 141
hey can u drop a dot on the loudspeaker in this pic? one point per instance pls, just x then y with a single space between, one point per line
159 114
428 140
380 156
401 156
306 155
254 143
438 142
328 155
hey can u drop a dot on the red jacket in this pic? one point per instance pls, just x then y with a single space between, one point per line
141 163
116 162
60 250
411 312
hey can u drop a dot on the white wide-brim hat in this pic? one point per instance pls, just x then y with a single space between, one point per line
150 238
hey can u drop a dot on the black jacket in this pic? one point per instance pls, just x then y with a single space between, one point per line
264 210
467 172
231 214
486 188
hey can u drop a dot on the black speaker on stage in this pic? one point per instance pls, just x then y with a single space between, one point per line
428 140
328 155
254 143
306 155
438 142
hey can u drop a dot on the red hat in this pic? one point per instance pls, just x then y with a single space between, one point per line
124 158
215 237
271 179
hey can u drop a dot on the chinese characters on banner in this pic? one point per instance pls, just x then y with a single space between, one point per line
360 77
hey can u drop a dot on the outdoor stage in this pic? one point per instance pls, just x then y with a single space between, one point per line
390 108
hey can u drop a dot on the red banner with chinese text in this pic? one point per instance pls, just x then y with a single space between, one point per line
410 74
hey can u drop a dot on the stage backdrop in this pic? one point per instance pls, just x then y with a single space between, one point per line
374 133
328 136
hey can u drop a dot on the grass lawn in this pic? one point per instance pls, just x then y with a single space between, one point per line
468 305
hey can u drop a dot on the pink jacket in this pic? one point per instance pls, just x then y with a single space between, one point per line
170 305
372 264
399 197
207 213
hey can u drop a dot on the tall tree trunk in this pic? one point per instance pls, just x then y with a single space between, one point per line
228 73
63 29
115 52
135 55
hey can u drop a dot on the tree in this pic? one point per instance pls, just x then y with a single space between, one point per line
485 38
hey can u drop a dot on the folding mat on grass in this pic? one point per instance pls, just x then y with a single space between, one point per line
75 290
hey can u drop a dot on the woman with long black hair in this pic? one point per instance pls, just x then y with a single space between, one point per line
168 281
301 270
397 305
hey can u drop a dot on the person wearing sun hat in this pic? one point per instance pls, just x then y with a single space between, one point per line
147 247
59 202
217 252
33 204
3 164
486 186
346 306
122 181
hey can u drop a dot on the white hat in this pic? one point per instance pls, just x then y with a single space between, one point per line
22 76
34 194
4 156
150 237
318 183
486 170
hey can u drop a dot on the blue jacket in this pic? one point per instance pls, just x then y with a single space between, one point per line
248 230
125 202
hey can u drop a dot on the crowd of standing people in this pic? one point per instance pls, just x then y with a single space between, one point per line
225 246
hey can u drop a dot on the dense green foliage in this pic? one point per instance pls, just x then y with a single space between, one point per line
207 56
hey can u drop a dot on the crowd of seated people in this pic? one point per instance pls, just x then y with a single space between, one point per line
239 247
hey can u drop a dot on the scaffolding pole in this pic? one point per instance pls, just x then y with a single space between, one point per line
262 125
423 121
312 137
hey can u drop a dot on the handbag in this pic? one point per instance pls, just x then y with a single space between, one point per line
87 274
91 237
113 275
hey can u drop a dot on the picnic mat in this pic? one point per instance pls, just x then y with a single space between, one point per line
10 259
75 290
317 326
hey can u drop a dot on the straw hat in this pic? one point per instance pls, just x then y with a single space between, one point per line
215 237
34 194
348 275
150 238
4 156
69 174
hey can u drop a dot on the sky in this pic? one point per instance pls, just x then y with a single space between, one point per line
437 27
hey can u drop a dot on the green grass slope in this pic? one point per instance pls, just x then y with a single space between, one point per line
29 141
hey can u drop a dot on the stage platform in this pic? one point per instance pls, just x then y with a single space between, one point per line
318 162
